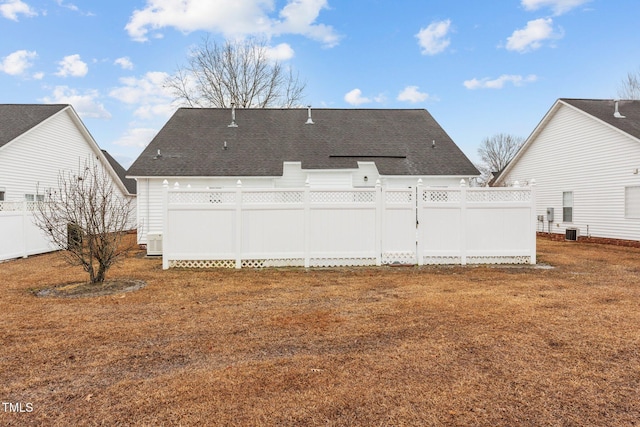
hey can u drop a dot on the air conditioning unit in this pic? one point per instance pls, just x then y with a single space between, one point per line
154 244
572 234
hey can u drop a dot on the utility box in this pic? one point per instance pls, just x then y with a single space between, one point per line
550 214
154 244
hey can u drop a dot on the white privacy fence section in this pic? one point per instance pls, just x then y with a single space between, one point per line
347 227
19 236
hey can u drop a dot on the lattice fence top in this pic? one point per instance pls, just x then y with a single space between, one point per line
202 197
398 196
18 206
484 196
441 196
343 197
265 197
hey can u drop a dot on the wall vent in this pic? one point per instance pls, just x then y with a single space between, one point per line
154 244
571 234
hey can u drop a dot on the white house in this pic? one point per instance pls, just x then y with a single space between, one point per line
585 158
279 148
37 142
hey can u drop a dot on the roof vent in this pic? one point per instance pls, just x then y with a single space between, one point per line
233 116
616 113
309 120
433 143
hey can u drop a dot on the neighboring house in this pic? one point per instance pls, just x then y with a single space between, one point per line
276 148
585 158
37 142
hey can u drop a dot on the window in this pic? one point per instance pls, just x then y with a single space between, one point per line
34 198
2 195
567 206
632 202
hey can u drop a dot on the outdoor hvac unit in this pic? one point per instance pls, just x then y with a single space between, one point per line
572 234
154 244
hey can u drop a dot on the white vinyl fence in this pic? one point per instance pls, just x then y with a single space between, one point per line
248 227
19 236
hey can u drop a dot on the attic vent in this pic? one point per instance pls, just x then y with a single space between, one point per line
616 113
309 120
233 123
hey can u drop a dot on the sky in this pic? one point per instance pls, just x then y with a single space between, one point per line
480 67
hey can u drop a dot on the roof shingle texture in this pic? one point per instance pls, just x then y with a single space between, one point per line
16 119
603 109
398 141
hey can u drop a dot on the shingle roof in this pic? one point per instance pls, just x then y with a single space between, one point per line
603 109
398 141
16 119
129 183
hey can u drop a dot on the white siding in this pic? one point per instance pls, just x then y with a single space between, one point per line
575 152
37 157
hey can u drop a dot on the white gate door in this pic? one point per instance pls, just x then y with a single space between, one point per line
399 226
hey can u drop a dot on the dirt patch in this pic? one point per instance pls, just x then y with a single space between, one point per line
86 290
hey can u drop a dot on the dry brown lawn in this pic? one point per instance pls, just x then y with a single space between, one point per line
472 346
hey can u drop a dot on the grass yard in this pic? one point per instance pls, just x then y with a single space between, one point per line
474 346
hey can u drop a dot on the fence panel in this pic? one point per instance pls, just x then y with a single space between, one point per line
478 225
20 236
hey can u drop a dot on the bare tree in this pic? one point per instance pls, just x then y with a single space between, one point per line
496 152
240 73
630 86
86 217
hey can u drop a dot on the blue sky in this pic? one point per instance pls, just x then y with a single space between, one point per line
479 66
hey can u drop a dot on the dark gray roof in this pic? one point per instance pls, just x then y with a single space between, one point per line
398 141
16 119
129 183
603 109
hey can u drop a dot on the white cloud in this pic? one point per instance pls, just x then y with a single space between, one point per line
86 104
299 17
17 62
412 94
136 137
499 83
12 8
281 52
73 66
433 39
38 76
124 62
532 36
148 94
233 18
558 6
355 97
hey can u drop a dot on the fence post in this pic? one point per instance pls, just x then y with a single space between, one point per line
379 209
239 224
307 223
534 221
419 213
24 228
166 249
463 222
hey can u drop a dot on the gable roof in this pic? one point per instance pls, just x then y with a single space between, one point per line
599 109
398 141
603 109
129 183
16 119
